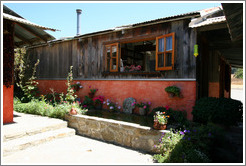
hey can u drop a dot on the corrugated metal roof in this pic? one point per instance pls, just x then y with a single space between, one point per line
26 33
190 14
145 23
209 21
24 21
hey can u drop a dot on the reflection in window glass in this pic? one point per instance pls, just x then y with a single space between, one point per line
160 60
108 52
168 59
161 45
114 50
169 43
113 64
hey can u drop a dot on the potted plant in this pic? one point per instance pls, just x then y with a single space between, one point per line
98 101
73 110
77 86
173 91
92 92
142 107
111 106
160 120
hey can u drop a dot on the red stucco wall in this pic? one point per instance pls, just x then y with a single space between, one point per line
117 91
8 104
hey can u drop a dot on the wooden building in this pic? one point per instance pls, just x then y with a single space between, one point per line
141 60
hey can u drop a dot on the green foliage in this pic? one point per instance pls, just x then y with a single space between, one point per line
24 75
173 89
161 117
222 111
30 88
176 117
194 145
70 96
112 106
42 108
239 73
87 103
76 87
53 97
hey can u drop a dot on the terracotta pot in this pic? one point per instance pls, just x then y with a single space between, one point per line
73 111
98 106
158 126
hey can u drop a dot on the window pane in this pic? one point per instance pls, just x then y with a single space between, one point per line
161 45
160 60
108 64
113 67
114 50
169 41
108 53
168 59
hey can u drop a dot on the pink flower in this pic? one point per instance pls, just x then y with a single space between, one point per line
144 107
89 86
167 107
149 102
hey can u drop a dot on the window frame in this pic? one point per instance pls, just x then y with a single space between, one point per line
165 52
111 57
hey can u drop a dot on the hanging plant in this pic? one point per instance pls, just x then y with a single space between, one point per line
173 91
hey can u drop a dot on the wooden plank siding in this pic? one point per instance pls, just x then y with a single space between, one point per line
87 55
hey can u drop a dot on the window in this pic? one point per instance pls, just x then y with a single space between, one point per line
145 55
112 57
165 52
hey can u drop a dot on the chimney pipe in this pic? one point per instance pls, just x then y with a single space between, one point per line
79 11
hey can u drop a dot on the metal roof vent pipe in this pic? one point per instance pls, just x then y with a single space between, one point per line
79 11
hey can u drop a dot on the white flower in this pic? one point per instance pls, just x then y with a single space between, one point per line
78 82
107 103
104 102
111 107
80 86
119 107
107 100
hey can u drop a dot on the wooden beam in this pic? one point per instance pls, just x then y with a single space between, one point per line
31 31
22 39
212 27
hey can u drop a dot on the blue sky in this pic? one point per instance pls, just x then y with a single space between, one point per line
99 16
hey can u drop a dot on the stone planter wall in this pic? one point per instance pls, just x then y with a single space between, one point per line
123 133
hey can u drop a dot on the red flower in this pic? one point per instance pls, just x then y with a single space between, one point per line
167 107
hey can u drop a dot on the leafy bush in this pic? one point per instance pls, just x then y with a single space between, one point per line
42 108
239 73
176 117
173 89
87 103
222 111
194 145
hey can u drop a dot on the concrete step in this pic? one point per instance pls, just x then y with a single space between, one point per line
28 131
24 142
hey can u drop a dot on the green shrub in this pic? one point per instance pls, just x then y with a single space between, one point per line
239 73
176 117
173 89
194 145
222 111
87 103
44 109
